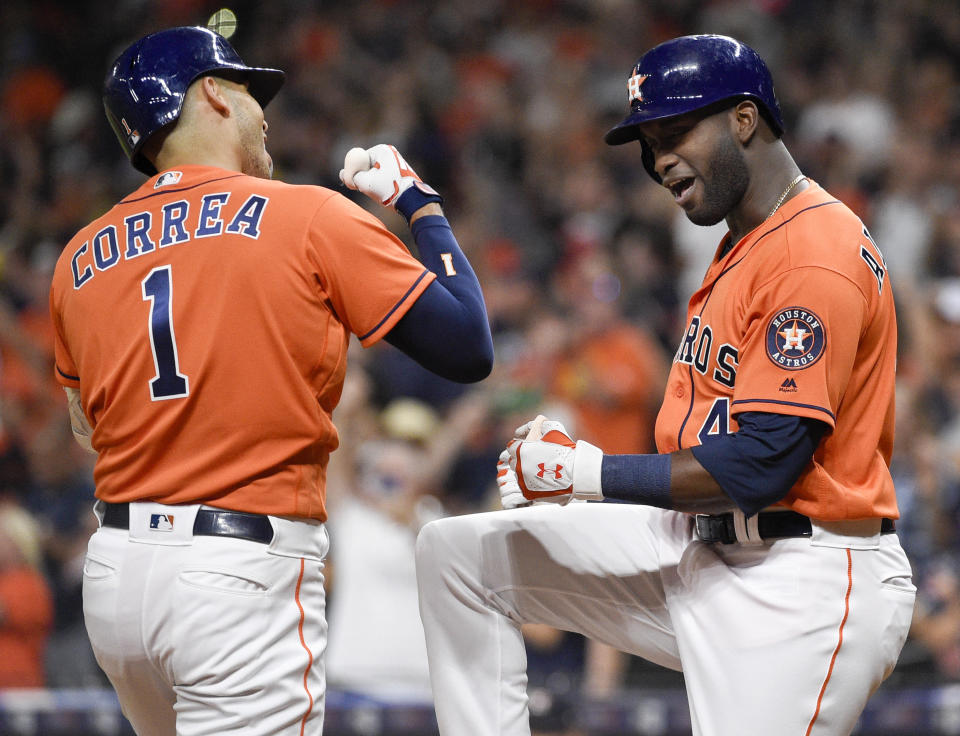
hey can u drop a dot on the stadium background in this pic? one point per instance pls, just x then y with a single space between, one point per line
586 265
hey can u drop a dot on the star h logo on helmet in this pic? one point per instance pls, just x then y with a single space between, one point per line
633 87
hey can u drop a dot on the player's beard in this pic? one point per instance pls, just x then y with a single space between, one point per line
725 183
255 161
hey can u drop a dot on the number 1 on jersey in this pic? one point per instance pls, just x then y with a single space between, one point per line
169 382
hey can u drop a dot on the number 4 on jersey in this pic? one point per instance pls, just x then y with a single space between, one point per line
169 382
717 423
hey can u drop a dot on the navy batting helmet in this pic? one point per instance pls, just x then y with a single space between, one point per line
690 73
145 87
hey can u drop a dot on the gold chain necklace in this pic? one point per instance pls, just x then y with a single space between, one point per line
785 193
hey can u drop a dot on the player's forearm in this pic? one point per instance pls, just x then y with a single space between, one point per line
431 208
446 330
750 469
675 481
692 488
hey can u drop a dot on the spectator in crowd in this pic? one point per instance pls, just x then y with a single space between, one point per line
26 605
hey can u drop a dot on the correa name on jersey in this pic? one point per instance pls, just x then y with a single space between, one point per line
177 225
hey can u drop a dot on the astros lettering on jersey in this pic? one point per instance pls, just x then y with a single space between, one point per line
191 275
796 319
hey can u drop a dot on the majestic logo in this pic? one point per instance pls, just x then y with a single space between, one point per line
161 522
167 178
789 386
557 472
633 87
795 339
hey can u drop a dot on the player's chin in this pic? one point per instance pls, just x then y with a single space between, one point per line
262 168
703 212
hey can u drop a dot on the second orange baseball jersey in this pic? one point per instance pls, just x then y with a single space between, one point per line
205 319
797 318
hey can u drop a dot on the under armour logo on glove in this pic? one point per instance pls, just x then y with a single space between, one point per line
557 471
543 466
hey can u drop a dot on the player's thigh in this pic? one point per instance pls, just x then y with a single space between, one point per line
776 638
586 567
247 644
114 578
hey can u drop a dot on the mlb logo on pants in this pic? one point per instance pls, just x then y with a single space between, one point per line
161 522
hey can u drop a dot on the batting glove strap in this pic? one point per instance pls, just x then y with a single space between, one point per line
587 472
415 197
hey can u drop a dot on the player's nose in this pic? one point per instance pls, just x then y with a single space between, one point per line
664 162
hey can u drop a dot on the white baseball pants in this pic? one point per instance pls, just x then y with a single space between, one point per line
209 635
788 637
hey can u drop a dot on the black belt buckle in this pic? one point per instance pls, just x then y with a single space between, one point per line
713 528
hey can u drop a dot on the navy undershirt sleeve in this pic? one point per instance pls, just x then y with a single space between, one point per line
446 329
758 465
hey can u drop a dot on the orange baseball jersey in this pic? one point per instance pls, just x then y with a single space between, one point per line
797 318
205 319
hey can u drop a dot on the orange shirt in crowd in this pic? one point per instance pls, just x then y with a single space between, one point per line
26 616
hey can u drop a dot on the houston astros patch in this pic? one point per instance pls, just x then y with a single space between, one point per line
795 338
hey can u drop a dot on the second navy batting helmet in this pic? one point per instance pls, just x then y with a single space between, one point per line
690 73
145 87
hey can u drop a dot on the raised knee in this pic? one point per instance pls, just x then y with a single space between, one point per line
431 541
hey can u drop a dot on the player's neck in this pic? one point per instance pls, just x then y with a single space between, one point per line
775 185
197 159
198 150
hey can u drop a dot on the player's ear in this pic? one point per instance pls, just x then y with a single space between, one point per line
214 93
745 119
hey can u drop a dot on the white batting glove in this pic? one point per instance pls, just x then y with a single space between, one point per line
384 175
552 468
511 496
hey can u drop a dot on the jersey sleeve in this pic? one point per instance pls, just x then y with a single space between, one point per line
369 276
803 329
65 369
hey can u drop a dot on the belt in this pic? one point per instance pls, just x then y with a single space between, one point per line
770 525
209 523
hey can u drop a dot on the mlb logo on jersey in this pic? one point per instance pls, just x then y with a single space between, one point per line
795 338
161 522
167 178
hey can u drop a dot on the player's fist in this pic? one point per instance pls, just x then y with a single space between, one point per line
384 175
553 468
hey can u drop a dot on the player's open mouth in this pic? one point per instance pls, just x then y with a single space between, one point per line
681 189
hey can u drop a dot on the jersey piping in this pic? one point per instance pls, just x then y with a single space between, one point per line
399 303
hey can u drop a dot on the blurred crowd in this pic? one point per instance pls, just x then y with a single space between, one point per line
586 264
